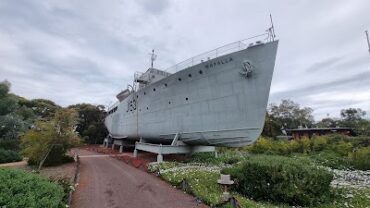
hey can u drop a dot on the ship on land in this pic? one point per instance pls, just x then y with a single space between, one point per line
218 98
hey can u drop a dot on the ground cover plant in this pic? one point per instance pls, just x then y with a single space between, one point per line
22 189
200 181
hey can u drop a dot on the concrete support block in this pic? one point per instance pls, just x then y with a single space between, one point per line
216 154
121 149
135 153
113 146
159 158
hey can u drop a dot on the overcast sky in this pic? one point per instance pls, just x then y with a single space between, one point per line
87 51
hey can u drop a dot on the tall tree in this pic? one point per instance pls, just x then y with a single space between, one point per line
352 114
287 114
91 122
327 123
353 118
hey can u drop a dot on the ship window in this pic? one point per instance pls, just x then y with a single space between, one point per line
137 96
165 84
186 98
179 79
147 108
153 76
144 93
153 89
200 72
169 102
189 75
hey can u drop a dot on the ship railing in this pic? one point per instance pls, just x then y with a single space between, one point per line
220 51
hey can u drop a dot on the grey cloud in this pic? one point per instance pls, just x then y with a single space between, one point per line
351 83
324 64
71 51
154 7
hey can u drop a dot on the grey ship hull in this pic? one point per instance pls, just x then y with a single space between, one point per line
216 102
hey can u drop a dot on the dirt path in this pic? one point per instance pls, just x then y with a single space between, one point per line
107 182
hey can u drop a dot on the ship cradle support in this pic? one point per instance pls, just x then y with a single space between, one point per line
176 147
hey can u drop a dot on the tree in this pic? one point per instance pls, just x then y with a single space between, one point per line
58 134
352 114
42 108
91 122
287 114
354 118
327 123
7 103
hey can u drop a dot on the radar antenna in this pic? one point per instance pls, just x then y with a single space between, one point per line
153 58
368 42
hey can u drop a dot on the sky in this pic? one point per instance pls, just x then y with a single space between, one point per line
87 51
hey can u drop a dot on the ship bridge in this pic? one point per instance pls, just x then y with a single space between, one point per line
150 76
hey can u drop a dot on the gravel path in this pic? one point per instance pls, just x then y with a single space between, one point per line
107 182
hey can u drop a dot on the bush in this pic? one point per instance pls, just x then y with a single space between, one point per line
319 143
282 179
342 148
9 144
331 159
22 189
59 135
9 156
360 159
360 141
262 145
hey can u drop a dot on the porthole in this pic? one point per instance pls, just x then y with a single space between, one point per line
169 102
165 84
147 108
200 72
137 96
186 98
144 93
179 79
153 89
189 75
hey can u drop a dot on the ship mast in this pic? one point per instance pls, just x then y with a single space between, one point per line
152 58
368 42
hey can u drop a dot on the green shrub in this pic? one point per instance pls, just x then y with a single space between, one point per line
262 145
9 144
9 156
22 189
341 147
360 159
304 145
204 157
360 141
282 179
58 134
331 159
66 184
319 143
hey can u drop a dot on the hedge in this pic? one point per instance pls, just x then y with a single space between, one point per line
281 179
9 156
21 189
